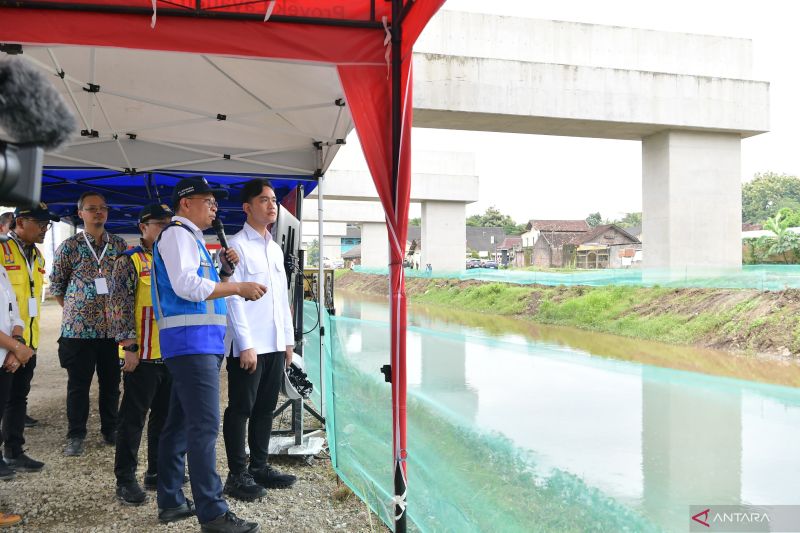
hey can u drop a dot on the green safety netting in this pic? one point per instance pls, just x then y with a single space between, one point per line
761 277
461 478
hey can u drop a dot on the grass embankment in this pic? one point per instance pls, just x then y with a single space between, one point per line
740 320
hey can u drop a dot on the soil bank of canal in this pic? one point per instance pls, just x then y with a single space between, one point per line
742 321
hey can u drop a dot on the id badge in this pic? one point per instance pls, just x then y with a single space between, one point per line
101 285
33 307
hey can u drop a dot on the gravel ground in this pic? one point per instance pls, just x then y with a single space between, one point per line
77 493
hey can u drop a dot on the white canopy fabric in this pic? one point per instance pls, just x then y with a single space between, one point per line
143 111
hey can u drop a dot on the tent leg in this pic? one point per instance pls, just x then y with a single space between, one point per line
400 509
321 296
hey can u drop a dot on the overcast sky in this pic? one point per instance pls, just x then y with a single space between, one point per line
533 176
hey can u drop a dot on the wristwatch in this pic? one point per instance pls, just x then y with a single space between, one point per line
19 339
131 348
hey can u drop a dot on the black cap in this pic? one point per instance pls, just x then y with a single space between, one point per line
40 212
194 186
156 211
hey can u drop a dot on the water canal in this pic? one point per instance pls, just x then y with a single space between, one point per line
519 427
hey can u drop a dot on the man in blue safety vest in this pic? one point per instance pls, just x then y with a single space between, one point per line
188 297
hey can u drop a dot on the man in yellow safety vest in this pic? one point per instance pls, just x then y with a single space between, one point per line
146 381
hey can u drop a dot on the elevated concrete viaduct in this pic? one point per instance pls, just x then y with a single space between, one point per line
688 98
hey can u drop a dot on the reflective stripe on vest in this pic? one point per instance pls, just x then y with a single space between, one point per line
146 331
17 269
186 327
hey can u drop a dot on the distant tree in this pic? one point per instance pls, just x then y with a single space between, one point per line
492 218
790 218
415 222
785 241
767 194
630 220
313 253
594 219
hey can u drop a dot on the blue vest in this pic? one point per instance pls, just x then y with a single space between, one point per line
186 327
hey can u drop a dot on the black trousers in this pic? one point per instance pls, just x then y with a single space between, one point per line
16 408
146 388
5 387
251 396
81 357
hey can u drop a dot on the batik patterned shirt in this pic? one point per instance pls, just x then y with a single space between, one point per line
87 315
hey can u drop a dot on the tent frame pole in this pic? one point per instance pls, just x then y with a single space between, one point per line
400 509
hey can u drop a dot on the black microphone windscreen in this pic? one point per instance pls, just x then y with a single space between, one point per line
31 109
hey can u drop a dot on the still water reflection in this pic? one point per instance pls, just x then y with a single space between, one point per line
644 423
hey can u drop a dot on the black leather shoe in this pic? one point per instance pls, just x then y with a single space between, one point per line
230 523
23 463
181 512
272 479
74 447
110 438
6 472
131 494
151 480
242 487
30 421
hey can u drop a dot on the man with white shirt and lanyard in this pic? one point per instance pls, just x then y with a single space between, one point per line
25 266
259 345
188 299
82 267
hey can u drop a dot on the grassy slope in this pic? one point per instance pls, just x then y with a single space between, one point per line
741 320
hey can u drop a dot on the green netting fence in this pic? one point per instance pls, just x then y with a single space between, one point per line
461 478
761 277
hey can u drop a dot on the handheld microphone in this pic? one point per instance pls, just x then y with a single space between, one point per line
31 109
219 229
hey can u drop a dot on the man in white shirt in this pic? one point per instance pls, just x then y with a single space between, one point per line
259 344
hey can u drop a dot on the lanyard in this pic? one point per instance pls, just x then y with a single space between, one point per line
28 266
91 249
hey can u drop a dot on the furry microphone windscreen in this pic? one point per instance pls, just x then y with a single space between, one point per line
31 109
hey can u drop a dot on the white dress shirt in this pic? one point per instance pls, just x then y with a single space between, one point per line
264 324
9 311
181 257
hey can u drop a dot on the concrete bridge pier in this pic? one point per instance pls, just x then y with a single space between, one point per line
691 200
444 236
374 245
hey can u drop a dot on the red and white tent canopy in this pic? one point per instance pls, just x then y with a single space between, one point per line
231 86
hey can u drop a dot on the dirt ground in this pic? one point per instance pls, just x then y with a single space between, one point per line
77 493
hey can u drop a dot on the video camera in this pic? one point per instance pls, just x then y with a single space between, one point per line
20 174
36 118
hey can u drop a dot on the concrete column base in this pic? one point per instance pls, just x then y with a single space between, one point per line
374 245
444 236
692 202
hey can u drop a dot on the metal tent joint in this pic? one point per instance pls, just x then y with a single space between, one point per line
11 49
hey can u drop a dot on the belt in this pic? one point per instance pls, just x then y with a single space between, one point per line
152 361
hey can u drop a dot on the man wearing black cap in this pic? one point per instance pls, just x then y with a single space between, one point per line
188 299
25 267
146 381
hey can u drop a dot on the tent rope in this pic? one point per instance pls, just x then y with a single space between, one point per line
386 41
270 7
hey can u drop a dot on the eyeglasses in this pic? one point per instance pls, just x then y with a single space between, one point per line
210 202
43 224
94 210
268 200
159 224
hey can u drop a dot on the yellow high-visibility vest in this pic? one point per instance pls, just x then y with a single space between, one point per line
146 332
27 286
